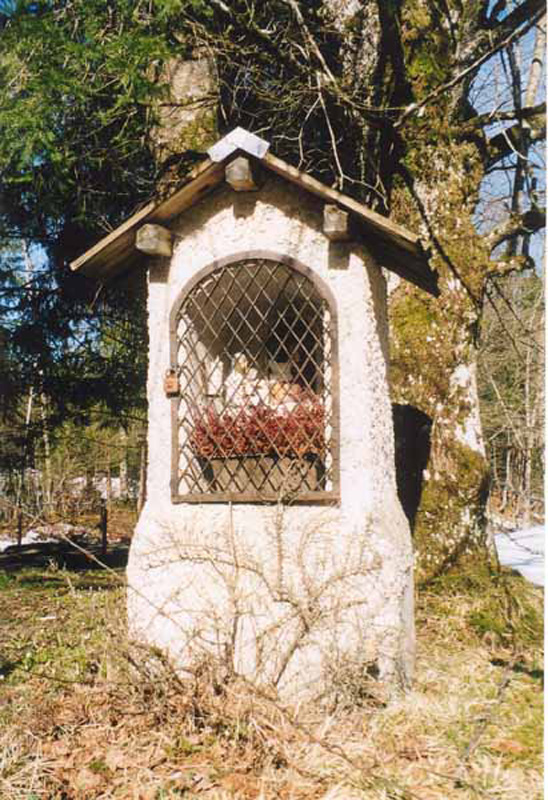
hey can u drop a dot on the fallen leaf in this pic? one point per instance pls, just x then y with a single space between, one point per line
508 746
116 759
58 749
87 780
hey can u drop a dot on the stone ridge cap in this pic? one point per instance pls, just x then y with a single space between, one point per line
239 139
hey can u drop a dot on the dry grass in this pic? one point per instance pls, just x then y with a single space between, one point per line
85 715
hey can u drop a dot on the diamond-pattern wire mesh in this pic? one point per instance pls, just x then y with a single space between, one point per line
254 359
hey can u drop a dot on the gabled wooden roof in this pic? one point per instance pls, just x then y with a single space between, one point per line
393 246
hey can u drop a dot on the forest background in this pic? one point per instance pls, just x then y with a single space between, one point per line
429 112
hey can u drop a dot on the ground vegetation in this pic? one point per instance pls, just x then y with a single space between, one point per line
85 713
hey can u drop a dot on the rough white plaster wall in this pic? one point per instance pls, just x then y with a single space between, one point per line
300 597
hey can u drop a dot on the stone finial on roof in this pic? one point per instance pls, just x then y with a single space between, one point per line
238 139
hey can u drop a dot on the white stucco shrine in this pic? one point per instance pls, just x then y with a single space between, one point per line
272 543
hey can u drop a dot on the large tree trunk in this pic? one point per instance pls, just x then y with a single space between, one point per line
430 374
186 116
373 98
431 185
434 354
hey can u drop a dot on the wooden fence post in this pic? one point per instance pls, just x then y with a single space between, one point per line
103 526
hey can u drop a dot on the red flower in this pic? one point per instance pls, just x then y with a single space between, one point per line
260 430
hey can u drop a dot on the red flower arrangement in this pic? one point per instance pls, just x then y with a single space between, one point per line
261 430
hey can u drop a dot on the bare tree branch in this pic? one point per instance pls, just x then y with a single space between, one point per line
535 71
515 34
520 15
531 125
535 114
294 6
508 264
508 141
531 221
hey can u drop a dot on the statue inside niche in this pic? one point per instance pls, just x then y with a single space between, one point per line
276 387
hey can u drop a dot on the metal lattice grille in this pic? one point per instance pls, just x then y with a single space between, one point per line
254 357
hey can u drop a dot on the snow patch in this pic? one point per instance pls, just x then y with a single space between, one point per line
523 550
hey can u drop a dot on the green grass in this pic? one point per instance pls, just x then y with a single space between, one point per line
82 714
50 623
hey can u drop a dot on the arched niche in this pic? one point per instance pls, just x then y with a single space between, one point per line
253 343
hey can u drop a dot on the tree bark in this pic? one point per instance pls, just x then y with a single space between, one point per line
382 111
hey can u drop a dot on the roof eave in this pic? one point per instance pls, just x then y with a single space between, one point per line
101 260
395 248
